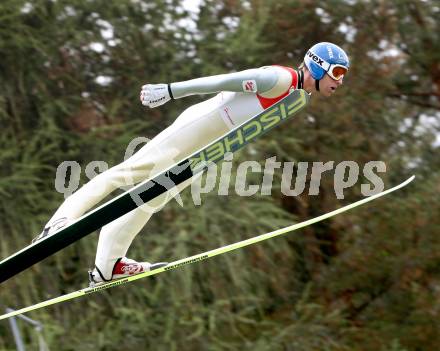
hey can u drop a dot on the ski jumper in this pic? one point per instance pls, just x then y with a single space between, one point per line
240 96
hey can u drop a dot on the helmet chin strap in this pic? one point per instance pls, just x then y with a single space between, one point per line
317 84
300 78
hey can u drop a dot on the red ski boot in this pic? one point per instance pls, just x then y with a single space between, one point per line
124 267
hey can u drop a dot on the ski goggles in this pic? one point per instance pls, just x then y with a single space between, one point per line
335 71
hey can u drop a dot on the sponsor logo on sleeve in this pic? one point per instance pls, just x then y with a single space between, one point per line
250 86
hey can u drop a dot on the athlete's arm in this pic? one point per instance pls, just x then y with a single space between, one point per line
257 80
251 80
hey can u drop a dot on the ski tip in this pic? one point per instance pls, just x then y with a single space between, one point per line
410 179
405 182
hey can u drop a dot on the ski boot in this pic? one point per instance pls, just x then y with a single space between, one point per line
123 268
52 228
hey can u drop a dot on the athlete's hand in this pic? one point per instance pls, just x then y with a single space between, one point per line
153 95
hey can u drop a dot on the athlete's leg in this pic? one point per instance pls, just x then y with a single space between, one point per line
193 129
116 237
157 155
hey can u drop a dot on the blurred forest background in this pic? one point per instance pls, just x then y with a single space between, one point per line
70 75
